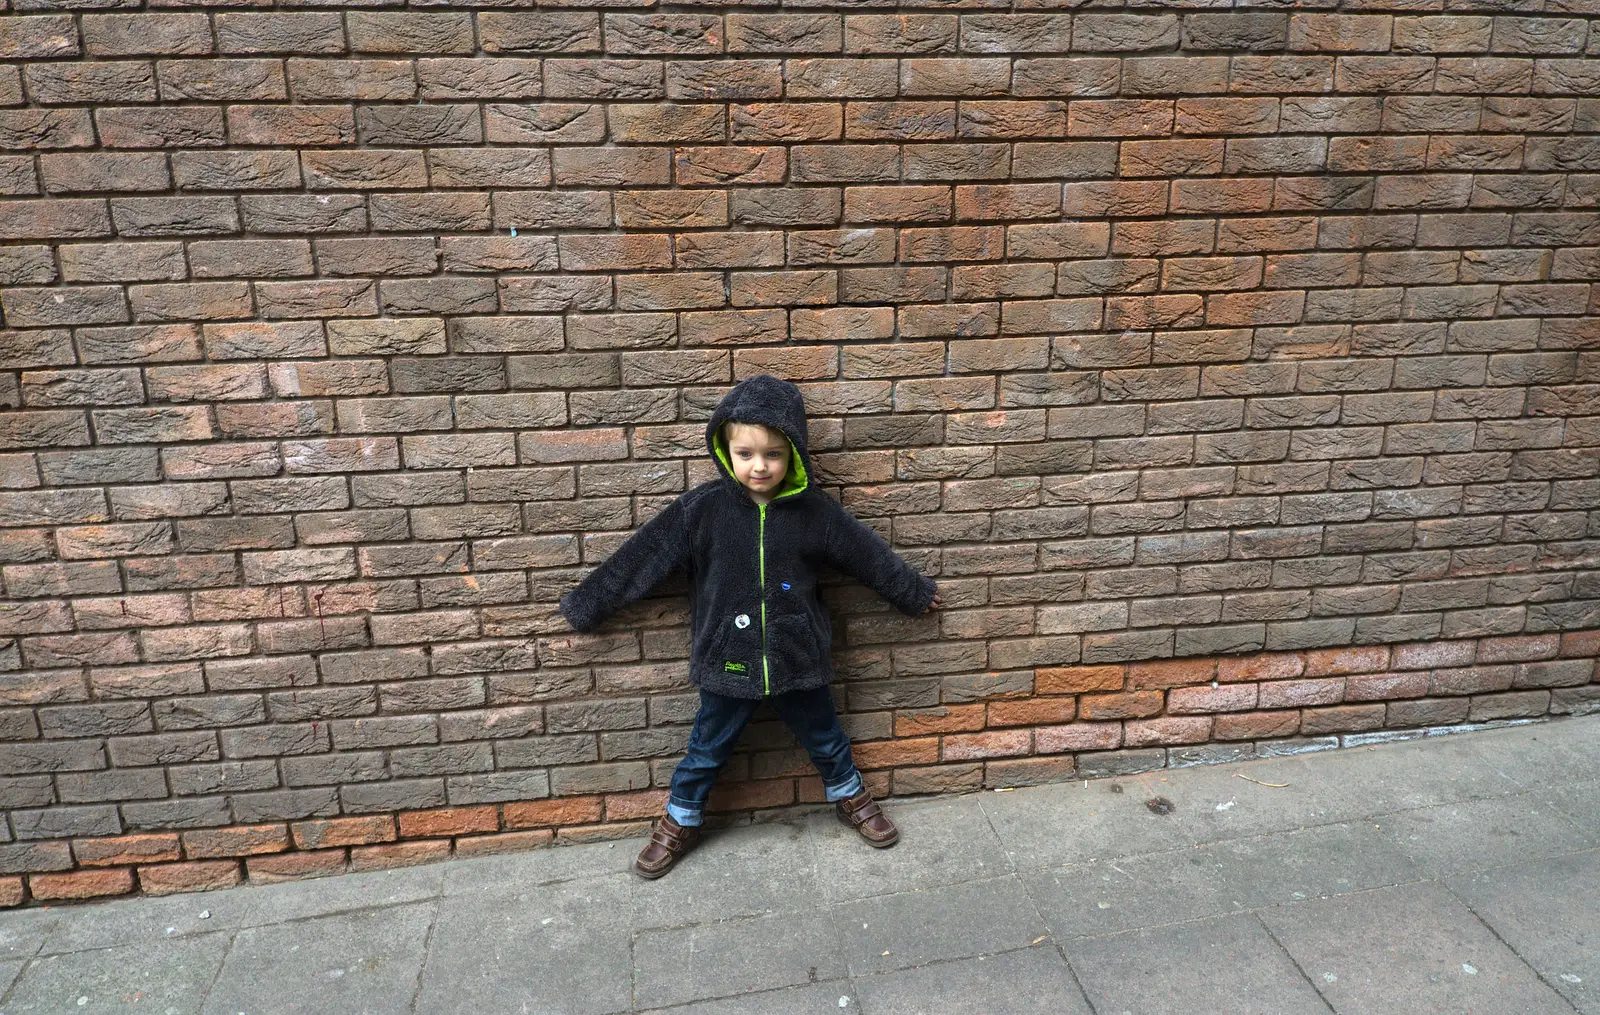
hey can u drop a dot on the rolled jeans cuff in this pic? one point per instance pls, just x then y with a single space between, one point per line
842 790
687 815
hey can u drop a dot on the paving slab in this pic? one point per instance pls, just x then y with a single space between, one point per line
298 900
362 963
979 908
1383 778
1217 879
1548 912
1050 826
812 999
956 921
535 867
740 871
1225 965
1475 834
942 842
1576 802
1542 754
1240 799
10 969
147 919
171 979
23 931
729 957
1408 949
558 948
1033 981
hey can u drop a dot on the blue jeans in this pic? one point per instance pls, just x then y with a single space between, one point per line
810 714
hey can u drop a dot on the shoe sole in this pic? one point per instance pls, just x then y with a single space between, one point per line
648 876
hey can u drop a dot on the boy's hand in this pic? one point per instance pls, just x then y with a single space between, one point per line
937 602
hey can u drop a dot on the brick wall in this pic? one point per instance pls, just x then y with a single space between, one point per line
1233 370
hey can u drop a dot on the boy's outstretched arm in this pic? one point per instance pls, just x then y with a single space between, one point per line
855 548
658 548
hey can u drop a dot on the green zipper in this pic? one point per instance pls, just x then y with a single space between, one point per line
761 540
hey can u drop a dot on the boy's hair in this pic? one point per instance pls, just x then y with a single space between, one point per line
728 425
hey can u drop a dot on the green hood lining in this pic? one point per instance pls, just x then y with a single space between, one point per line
794 481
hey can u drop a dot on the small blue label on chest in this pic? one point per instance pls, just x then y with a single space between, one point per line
785 586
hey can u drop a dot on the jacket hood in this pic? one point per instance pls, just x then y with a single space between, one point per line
772 402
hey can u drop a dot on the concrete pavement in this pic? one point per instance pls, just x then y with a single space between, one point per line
1454 874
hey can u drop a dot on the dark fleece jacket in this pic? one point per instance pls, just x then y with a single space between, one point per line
757 624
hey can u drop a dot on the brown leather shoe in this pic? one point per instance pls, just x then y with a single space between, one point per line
862 813
669 841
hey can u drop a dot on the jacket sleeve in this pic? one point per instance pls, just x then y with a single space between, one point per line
658 548
856 549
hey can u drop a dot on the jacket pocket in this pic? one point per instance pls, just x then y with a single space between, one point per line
793 641
734 648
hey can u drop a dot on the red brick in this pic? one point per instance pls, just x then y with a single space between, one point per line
1341 719
194 876
1472 679
1427 655
1167 730
1120 118
938 779
1301 693
318 834
1032 711
1171 672
295 865
1133 704
1028 771
890 753
1256 725
503 842
241 840
1514 705
575 810
398 854
12 892
1078 679
602 833
1269 666
1383 686
125 849
1255 309
1580 643
939 719
633 806
1334 661
1079 736
992 744
1519 649
1223 698
448 821
86 884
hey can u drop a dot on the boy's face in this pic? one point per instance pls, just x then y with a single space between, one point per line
760 458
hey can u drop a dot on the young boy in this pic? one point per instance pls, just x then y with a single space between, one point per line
751 542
